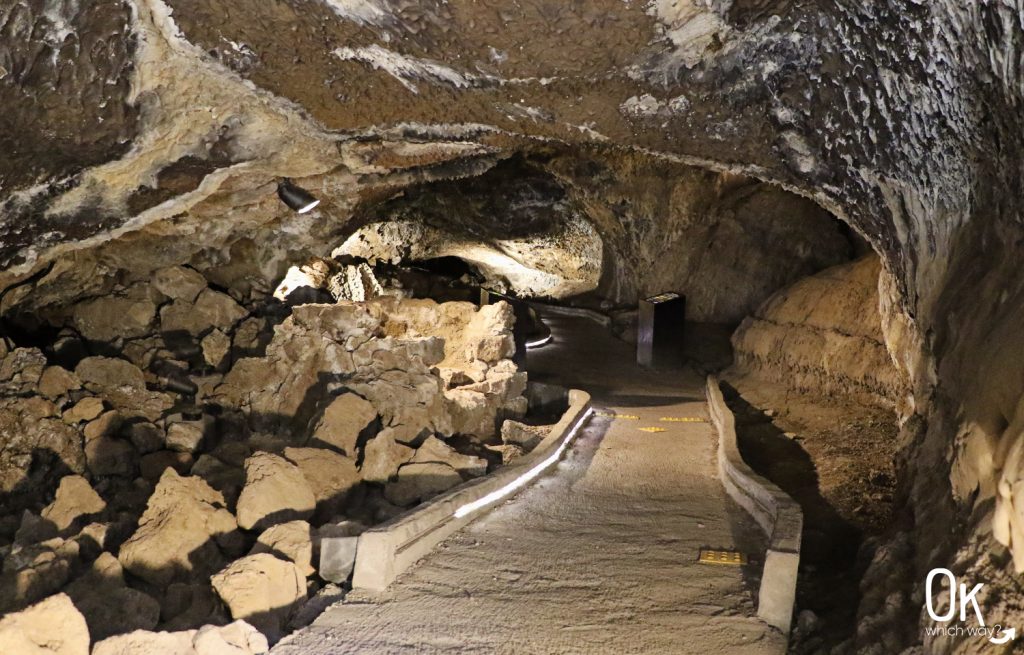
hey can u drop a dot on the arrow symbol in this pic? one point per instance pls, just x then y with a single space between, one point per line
1008 634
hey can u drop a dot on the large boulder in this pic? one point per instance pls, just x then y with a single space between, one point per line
51 627
177 533
292 541
211 309
420 481
342 422
331 476
435 450
262 590
110 317
123 385
275 492
383 455
178 283
75 500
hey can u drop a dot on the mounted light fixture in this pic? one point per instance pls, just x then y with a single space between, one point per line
296 197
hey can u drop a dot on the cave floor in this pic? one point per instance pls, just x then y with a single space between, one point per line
599 556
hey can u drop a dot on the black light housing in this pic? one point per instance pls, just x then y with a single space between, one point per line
296 197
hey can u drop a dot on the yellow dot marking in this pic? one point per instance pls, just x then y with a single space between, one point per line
723 557
652 429
626 417
683 419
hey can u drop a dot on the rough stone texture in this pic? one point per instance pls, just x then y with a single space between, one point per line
50 627
262 590
178 283
824 333
37 446
31 572
75 501
343 420
108 605
418 481
292 541
524 437
110 317
383 456
275 492
176 534
238 638
331 476
435 450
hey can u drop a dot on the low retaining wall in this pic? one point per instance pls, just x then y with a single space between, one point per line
387 550
778 515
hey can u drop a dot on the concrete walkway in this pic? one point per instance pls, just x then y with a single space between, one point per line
598 557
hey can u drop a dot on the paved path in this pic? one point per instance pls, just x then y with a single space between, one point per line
597 557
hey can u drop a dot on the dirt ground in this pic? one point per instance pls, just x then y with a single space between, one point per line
836 458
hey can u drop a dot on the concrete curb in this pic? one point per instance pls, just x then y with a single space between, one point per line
390 548
778 515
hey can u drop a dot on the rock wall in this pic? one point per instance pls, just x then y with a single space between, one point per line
193 459
824 334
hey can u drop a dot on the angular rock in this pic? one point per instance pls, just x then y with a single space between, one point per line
85 409
123 385
104 426
225 478
382 457
51 627
526 437
237 638
108 456
176 534
471 413
331 476
186 606
178 283
100 374
262 590
435 450
185 436
291 541
75 500
275 492
56 382
343 421
108 605
35 447
216 347
418 482
142 642
145 436
35 571
153 465
21 370
212 309
112 317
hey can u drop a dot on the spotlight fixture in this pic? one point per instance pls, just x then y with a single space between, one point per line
296 197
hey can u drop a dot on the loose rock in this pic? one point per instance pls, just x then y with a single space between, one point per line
262 590
275 492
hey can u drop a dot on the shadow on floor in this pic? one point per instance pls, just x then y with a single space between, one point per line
829 576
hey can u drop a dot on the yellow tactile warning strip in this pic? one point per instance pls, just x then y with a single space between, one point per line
652 429
683 419
724 557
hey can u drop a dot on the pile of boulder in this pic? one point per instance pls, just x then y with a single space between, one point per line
189 472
